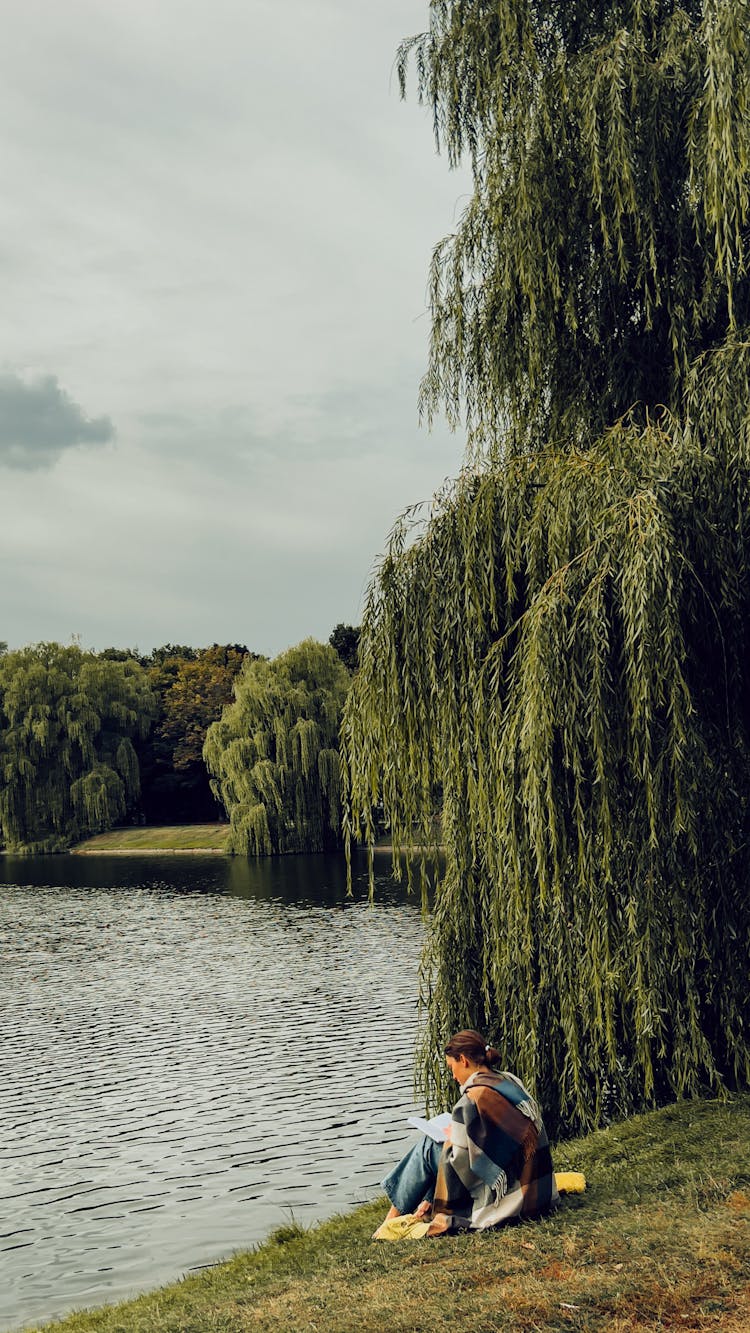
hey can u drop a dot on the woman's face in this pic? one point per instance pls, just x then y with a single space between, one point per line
459 1067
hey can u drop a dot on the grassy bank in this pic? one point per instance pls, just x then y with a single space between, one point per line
178 838
660 1240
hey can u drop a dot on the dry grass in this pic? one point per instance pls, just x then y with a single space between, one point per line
178 838
661 1240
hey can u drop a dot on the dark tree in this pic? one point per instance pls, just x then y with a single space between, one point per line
192 686
345 639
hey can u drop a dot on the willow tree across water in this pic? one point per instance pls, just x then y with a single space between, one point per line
273 754
555 657
68 767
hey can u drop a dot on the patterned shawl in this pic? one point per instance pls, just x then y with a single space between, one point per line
498 1164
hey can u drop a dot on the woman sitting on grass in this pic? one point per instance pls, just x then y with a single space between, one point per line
495 1163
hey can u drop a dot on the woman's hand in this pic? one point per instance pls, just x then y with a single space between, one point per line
423 1208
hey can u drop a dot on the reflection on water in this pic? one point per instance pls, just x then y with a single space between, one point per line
191 1051
306 880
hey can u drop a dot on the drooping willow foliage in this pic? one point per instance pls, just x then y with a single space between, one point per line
555 659
273 754
605 243
559 664
67 763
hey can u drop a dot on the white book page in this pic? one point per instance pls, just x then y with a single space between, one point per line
434 1128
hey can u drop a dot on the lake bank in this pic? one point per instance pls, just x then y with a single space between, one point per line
138 841
661 1239
176 839
173 840
148 851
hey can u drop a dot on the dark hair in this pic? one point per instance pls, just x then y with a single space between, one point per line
472 1044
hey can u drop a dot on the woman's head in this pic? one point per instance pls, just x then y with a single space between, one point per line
467 1051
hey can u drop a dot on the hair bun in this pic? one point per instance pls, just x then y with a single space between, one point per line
472 1045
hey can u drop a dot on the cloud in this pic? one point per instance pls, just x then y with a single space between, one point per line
39 420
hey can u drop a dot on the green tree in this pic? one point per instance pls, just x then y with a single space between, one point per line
560 648
345 639
67 722
192 686
195 697
274 753
172 652
605 243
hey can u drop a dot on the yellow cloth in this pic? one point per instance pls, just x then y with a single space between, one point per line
407 1227
570 1182
410 1227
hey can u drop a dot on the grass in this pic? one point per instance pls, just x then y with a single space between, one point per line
179 838
660 1240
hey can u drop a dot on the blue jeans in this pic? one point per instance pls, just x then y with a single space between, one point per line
414 1178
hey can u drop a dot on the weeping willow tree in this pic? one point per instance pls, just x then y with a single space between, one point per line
604 246
555 655
273 754
67 763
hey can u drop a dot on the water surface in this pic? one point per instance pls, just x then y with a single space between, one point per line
192 1051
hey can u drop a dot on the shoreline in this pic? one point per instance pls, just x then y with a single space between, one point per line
198 851
147 851
660 1239
192 840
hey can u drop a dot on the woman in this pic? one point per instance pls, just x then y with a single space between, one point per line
495 1163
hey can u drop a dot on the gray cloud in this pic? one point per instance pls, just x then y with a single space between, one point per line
330 425
39 420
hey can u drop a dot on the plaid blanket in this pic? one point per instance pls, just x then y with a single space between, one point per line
498 1164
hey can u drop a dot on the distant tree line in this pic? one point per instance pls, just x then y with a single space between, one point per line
91 740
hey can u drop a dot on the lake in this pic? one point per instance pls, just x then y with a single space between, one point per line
193 1051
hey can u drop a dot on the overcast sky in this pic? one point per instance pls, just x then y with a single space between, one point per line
217 221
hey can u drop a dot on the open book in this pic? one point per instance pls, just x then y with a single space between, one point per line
434 1128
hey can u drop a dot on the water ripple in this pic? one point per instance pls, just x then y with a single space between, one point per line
181 1072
